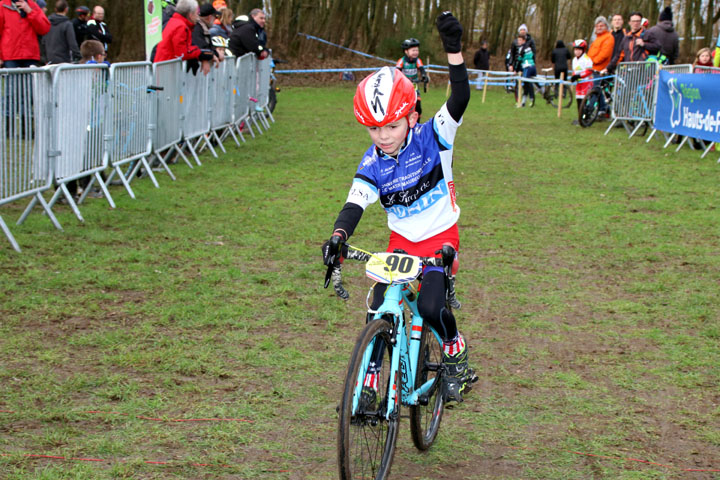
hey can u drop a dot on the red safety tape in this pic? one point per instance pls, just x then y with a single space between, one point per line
155 419
628 459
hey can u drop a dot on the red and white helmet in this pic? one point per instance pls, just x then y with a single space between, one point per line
384 97
580 43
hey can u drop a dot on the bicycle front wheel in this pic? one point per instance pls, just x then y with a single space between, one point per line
425 418
589 108
366 437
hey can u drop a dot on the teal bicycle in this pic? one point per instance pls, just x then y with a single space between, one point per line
397 361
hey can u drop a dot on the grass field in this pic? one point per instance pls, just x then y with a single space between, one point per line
589 279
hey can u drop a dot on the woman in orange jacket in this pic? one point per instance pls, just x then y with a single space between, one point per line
601 50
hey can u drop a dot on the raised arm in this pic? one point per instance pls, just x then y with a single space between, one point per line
451 34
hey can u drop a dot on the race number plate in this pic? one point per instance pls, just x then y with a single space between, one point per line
393 267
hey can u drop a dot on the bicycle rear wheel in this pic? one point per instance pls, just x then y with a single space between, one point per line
366 438
425 418
589 108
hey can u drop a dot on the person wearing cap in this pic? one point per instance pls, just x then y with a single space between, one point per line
21 22
80 23
514 63
97 28
662 40
201 36
250 37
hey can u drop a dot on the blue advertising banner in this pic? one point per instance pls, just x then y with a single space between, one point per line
689 104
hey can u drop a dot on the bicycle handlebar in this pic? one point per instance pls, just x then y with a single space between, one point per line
334 271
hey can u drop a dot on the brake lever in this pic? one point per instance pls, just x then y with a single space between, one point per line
328 275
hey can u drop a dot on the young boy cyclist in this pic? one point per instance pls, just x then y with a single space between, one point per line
409 169
412 67
581 68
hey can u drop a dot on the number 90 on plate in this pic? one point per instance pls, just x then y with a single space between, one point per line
391 268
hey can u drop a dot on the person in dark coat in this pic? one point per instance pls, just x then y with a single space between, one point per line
60 44
617 31
662 40
247 38
98 29
481 61
80 24
514 48
559 57
632 48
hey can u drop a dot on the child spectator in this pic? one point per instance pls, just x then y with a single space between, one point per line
92 51
582 67
412 67
716 60
409 169
526 64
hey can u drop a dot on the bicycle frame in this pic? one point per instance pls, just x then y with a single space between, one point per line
405 353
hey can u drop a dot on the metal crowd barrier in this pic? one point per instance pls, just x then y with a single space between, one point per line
27 160
64 123
79 94
634 95
263 92
196 111
130 118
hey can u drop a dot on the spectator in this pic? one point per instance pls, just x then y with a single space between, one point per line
661 41
716 60
240 20
201 32
250 37
702 59
177 35
60 44
618 32
80 24
168 8
581 68
21 22
513 60
600 52
481 61
97 28
632 48
220 32
92 51
559 57
526 64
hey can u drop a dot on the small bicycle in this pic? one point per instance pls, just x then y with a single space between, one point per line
397 361
590 105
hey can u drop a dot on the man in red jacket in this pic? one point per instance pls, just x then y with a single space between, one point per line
21 22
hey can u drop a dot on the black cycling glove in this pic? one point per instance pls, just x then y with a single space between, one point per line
575 78
332 247
450 32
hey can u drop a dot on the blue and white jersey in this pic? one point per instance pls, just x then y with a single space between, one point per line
417 189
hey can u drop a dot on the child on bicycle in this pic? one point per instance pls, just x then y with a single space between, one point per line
581 68
409 169
412 67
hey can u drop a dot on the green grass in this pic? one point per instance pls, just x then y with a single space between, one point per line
589 278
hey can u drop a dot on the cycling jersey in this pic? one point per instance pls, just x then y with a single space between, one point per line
525 56
582 66
416 189
411 69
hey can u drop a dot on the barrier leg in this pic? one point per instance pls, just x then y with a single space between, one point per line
684 140
269 113
208 143
182 154
670 139
104 189
652 134
144 163
164 164
193 152
707 150
249 125
612 124
220 144
264 120
124 181
71 202
86 190
229 130
637 127
48 211
257 125
9 235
